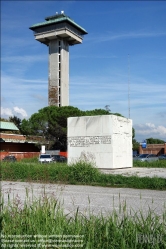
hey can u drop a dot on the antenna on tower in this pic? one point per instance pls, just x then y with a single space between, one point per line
128 86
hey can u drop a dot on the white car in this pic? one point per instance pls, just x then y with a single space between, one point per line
45 158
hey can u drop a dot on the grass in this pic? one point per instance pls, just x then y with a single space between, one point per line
30 160
82 172
42 223
35 222
156 164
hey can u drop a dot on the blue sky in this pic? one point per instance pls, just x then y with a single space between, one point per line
125 48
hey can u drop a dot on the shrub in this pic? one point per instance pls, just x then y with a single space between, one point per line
83 172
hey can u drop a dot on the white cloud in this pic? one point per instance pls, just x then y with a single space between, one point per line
9 112
20 111
128 35
6 111
150 125
151 129
24 59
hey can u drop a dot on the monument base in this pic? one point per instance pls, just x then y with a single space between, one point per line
105 139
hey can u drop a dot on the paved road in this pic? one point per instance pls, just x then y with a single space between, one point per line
96 199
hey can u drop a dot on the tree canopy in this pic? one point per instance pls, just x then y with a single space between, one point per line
154 141
16 121
51 124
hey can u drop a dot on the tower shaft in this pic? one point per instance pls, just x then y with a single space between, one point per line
58 80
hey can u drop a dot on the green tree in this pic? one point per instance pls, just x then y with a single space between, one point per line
51 124
154 141
16 121
134 141
4 119
135 145
26 128
96 112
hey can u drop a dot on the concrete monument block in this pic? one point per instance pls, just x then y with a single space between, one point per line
108 138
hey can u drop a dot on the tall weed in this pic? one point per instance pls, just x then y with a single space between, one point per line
83 172
46 217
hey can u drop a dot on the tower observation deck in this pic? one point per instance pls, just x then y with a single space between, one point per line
58 32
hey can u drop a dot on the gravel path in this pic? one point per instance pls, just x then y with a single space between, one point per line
96 199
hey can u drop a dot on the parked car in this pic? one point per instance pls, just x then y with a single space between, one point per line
146 158
162 157
45 158
59 158
135 155
9 158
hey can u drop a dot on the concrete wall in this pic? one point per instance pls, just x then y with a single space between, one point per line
53 76
64 73
58 88
106 138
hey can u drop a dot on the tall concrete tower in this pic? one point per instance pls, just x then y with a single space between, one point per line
58 32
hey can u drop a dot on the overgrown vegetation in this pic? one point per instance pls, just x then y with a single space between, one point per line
154 141
42 223
81 172
155 164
